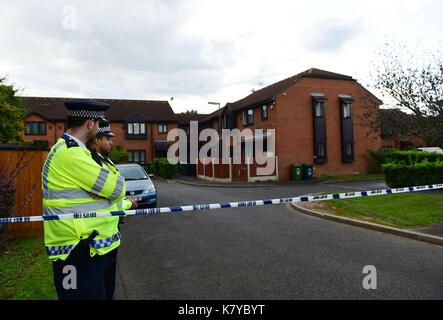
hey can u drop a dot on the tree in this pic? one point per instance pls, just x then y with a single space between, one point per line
11 114
192 111
413 84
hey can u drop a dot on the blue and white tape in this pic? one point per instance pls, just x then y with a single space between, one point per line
221 205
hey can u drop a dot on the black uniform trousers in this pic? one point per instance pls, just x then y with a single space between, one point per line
86 278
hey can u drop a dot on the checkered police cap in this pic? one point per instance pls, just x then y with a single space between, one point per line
87 109
105 130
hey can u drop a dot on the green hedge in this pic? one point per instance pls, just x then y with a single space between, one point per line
399 175
163 168
407 157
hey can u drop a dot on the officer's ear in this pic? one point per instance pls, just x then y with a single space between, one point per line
98 140
90 123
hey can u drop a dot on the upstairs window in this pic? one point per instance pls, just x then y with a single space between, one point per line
162 128
35 128
264 112
347 110
386 131
248 117
136 128
319 109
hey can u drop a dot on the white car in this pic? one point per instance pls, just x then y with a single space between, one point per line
431 149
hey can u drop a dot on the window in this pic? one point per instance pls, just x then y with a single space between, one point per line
347 109
248 117
35 128
348 149
264 112
319 109
321 150
386 131
162 128
136 128
137 156
320 139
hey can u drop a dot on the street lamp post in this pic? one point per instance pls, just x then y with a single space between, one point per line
219 116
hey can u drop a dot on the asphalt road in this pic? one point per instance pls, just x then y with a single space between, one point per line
268 252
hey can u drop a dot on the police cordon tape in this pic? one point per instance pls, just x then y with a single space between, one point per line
198 207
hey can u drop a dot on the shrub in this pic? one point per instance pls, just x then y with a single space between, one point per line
118 154
163 168
399 175
149 167
381 157
38 143
156 166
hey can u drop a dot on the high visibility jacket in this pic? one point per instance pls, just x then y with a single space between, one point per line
69 175
124 204
107 163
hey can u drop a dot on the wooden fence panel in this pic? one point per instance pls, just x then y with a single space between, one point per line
28 198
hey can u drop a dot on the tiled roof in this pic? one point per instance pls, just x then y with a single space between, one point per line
184 118
268 93
152 111
272 90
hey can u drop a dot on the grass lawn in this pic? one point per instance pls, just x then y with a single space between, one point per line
25 270
404 210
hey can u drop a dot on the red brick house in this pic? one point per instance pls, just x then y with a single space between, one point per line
140 126
390 139
314 117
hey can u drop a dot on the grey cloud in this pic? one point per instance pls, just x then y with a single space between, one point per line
139 46
331 35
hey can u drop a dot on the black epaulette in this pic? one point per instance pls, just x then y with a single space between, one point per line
70 142
95 156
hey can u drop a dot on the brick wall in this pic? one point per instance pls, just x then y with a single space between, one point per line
54 130
148 144
295 133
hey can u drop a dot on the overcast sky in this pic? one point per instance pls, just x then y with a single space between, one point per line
199 50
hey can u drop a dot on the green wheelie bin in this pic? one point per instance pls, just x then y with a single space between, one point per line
296 172
307 171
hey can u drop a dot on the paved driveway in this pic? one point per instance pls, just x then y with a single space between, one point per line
268 252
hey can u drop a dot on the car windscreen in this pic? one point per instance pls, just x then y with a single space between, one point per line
133 173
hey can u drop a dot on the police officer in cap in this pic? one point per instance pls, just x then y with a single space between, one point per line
82 250
100 148
102 145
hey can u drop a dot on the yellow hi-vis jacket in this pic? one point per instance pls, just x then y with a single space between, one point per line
105 162
69 175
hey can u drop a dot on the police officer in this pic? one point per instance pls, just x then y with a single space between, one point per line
100 147
72 182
